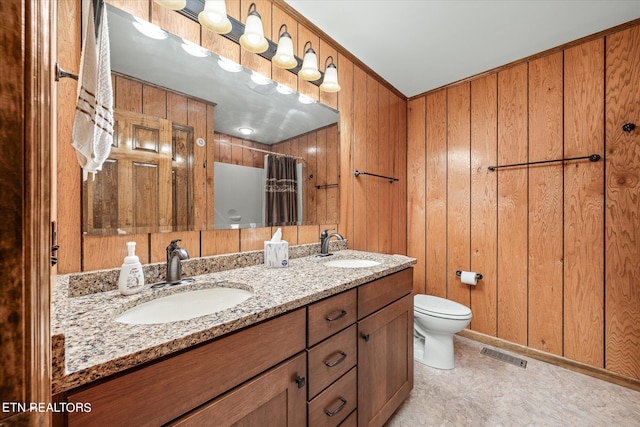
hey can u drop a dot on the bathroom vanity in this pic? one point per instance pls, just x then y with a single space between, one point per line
315 345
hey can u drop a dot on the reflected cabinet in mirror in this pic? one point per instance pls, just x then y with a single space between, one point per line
202 143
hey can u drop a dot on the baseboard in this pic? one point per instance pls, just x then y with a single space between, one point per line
553 359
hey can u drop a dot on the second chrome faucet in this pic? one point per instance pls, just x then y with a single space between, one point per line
325 238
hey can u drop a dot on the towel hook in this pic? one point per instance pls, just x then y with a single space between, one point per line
61 73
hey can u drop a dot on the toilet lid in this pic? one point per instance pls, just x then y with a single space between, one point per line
429 304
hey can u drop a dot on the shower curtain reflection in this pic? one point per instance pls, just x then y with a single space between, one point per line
281 191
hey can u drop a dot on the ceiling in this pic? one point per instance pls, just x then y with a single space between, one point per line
419 45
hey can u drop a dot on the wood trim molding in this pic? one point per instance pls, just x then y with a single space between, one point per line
562 47
553 359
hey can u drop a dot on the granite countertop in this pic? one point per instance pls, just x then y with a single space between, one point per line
88 344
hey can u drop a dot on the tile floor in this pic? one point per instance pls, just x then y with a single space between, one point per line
483 391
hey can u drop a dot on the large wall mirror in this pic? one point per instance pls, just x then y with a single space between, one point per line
195 141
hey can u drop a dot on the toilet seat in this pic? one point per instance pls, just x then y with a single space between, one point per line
440 307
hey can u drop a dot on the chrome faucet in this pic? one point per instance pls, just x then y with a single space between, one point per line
174 254
324 241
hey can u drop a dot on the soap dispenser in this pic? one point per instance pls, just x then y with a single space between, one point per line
131 276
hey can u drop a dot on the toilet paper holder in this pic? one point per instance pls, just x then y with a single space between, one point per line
459 273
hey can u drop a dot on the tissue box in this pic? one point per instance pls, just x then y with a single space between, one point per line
276 254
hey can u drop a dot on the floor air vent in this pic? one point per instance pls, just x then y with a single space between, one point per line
504 357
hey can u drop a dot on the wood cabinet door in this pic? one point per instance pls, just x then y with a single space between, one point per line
134 191
275 398
385 361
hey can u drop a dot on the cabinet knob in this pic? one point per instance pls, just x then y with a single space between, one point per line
301 381
364 336
628 127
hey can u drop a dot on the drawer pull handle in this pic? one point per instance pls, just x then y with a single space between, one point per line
339 316
301 381
342 405
365 336
338 361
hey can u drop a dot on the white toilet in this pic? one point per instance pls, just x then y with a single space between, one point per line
435 321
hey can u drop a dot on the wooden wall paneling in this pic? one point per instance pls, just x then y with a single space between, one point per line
237 152
289 234
373 166
251 60
312 177
310 233
435 193
128 95
401 163
324 51
175 23
395 196
512 204
136 8
458 191
215 242
154 101
346 167
321 172
622 203
177 109
69 176
223 151
190 240
545 204
212 150
305 35
197 118
333 164
279 17
484 151
416 212
359 237
102 252
252 239
583 329
386 154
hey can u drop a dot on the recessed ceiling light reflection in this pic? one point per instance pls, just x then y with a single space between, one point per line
285 90
193 49
260 79
304 99
229 65
149 29
245 131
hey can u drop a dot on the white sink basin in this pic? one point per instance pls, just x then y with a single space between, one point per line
351 263
184 306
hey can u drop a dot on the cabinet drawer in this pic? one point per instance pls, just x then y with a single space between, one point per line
273 396
379 293
332 358
335 404
330 315
160 392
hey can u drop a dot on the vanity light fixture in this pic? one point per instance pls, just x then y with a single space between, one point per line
214 17
253 38
172 4
330 81
148 29
309 70
284 57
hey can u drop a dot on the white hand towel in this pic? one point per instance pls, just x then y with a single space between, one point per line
92 135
